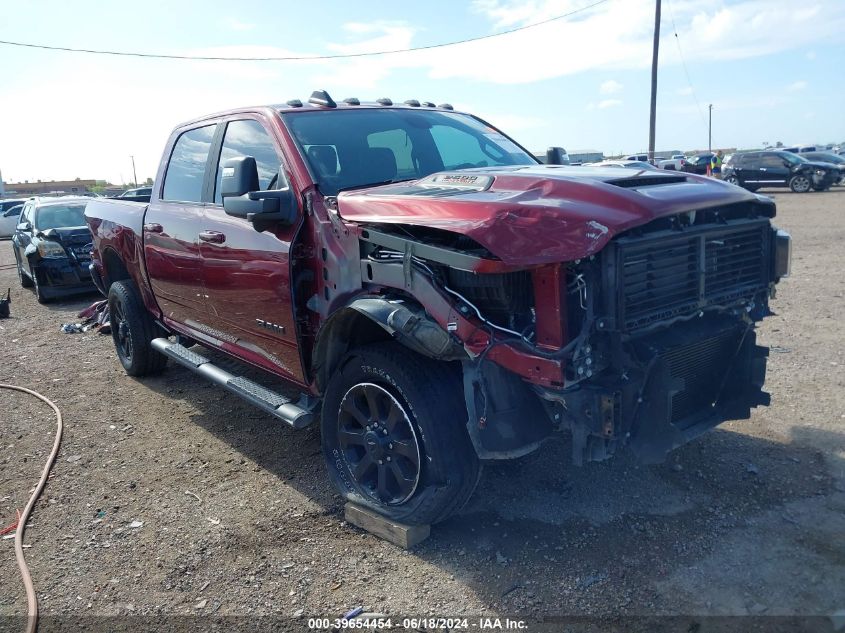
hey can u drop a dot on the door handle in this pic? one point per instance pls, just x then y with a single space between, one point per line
215 237
153 227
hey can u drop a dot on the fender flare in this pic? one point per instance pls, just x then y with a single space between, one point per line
401 320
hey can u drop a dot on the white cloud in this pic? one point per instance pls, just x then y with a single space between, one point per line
609 103
610 87
797 86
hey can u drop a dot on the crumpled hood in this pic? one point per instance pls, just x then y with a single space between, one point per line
540 213
68 235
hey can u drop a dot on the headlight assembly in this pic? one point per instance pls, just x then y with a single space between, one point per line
48 248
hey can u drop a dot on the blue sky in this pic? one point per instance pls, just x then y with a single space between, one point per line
772 68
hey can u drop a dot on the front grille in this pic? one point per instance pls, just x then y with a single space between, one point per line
700 367
669 274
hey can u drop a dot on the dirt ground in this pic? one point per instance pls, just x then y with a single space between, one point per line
238 516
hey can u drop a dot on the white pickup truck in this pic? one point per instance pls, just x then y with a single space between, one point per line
676 163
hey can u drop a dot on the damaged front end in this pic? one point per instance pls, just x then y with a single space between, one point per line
647 343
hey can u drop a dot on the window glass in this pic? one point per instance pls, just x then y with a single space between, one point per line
355 148
460 149
249 138
186 169
771 160
57 216
399 143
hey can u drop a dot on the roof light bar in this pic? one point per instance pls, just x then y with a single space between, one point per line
428 104
413 103
384 101
295 103
446 106
352 101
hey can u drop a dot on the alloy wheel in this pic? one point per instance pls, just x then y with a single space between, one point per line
379 444
122 336
801 184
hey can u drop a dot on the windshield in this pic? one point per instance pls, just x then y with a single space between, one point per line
355 148
58 216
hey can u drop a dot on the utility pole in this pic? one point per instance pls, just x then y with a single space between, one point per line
134 175
653 114
710 128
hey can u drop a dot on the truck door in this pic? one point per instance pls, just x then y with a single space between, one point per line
171 226
246 273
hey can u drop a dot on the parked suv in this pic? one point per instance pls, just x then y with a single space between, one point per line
754 170
52 247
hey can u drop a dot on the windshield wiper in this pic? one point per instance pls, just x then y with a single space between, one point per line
374 184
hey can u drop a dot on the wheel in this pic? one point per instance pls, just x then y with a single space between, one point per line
733 180
799 183
394 434
39 290
132 330
26 282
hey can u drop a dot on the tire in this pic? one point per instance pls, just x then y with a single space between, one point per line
39 291
437 464
26 282
733 180
132 330
799 183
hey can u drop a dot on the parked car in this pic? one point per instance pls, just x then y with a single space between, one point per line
436 295
676 163
52 247
630 164
754 170
643 158
9 212
829 157
140 192
698 164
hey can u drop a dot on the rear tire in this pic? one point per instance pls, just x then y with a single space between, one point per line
799 184
132 330
394 435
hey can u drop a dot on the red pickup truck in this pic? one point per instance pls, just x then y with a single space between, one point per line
436 296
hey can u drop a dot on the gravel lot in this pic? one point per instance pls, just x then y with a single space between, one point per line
238 516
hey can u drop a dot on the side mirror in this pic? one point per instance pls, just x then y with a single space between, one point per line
243 198
24 226
555 156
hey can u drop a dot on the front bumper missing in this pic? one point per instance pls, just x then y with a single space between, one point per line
677 387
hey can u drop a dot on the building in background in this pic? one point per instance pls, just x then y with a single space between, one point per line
586 156
49 188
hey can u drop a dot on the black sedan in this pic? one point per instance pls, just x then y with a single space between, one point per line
52 247
754 170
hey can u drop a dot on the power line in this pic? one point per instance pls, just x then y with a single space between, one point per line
684 63
304 57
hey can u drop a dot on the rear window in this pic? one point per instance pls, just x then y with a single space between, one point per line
58 216
186 169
